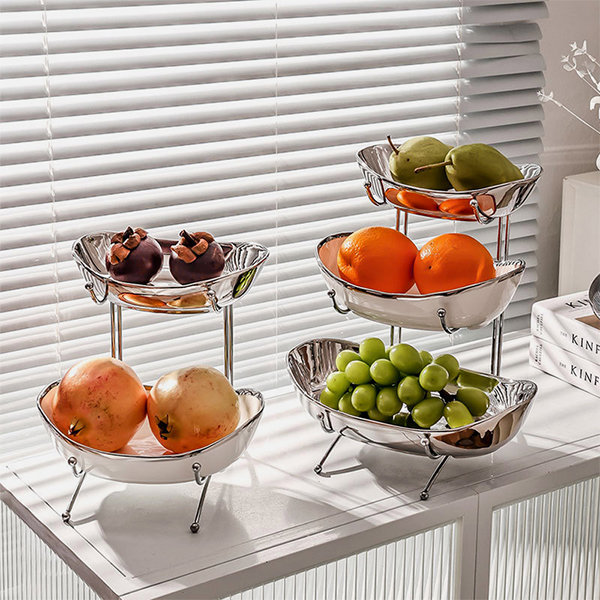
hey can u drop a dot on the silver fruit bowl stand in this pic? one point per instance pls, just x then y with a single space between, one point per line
510 400
143 460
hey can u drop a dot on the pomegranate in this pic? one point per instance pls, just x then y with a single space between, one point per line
191 408
100 403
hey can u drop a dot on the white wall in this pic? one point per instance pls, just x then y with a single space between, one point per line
569 147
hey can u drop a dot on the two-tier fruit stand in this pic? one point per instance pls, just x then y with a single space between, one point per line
142 460
473 306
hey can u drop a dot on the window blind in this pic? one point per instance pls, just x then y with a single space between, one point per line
239 118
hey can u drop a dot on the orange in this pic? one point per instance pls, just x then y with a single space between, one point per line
417 200
457 206
451 261
391 194
378 258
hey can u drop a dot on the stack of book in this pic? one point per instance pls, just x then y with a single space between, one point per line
565 340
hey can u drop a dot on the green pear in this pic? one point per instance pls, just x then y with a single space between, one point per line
476 166
417 152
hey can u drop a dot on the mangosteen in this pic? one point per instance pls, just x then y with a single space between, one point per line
196 257
134 256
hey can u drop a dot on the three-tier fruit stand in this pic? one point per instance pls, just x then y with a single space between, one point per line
469 307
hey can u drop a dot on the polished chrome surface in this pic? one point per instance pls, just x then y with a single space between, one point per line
594 295
159 468
310 363
243 262
472 306
488 203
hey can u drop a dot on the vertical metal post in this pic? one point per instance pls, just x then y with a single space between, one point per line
116 331
405 232
228 342
502 245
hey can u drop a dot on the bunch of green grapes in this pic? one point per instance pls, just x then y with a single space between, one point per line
378 383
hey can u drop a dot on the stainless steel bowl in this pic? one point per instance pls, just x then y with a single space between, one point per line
243 262
594 295
144 460
471 306
310 363
489 203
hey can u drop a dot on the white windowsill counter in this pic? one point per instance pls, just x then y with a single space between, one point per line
269 515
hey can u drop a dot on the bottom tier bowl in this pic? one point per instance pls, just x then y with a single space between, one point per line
310 363
144 460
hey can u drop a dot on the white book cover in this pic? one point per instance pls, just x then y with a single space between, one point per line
568 322
565 365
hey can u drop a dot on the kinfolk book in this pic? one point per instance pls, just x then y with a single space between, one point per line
567 366
568 322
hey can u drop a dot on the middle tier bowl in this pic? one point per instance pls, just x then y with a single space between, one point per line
472 306
243 262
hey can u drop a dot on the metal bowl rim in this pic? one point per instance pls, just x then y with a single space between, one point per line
392 426
173 457
519 267
452 192
263 256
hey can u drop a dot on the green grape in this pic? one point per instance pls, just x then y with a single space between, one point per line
337 382
406 359
471 379
426 357
428 412
371 349
450 363
329 398
401 419
433 378
474 399
387 401
345 405
357 372
387 352
364 396
457 414
375 415
384 372
345 357
409 391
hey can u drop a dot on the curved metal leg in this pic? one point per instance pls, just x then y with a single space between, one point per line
336 306
116 331
319 466
79 474
441 313
203 482
434 475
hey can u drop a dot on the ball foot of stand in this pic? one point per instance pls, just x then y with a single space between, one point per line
319 466
79 474
203 483
425 492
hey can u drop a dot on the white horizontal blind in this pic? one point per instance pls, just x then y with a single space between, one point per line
243 119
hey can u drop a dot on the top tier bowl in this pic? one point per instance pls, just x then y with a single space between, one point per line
243 262
489 203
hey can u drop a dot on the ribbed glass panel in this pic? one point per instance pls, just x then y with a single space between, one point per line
29 570
548 546
418 567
